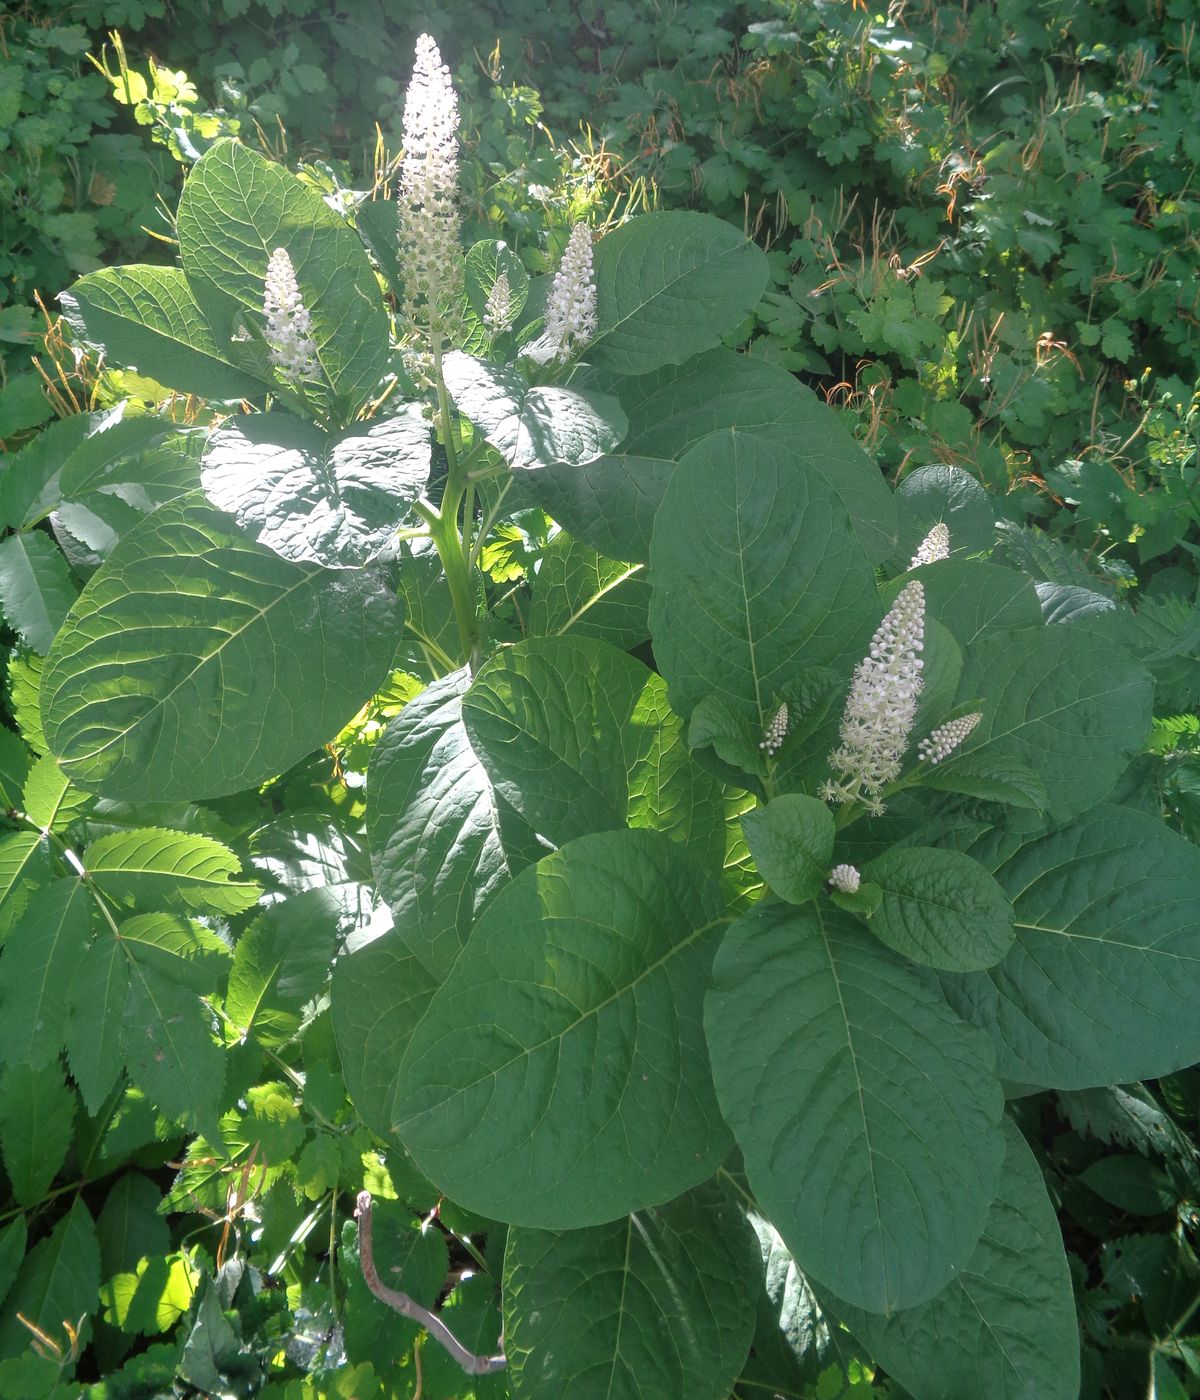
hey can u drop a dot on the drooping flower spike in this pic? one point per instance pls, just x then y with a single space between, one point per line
288 330
427 208
942 742
571 306
882 705
935 546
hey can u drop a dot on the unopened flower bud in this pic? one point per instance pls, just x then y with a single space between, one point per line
845 878
942 742
776 732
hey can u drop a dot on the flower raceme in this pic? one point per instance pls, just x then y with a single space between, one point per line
571 306
935 546
427 207
497 311
882 706
942 741
288 330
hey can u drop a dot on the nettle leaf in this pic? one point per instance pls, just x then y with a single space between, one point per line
659 1303
668 286
611 503
1005 1327
37 1115
167 1036
559 1078
146 318
48 799
940 908
1101 984
15 764
532 428
582 592
95 1001
130 1226
235 210
182 950
757 577
12 1250
791 840
1073 708
176 871
40 954
314 497
25 866
944 495
36 588
145 693
578 737
441 842
58 1282
281 963
378 995
891 1115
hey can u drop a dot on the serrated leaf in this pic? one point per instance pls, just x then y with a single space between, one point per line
280 964
541 1048
1005 1327
176 871
48 799
660 1303
532 427
757 577
39 957
25 866
129 1226
99 986
1102 982
169 1049
12 1251
791 840
209 609
670 285
940 909
235 210
57 1283
37 1115
182 950
891 1115
578 737
14 769
146 318
313 497
36 589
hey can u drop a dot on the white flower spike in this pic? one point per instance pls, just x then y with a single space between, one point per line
845 878
427 207
497 311
942 742
288 331
882 706
571 306
935 546
776 732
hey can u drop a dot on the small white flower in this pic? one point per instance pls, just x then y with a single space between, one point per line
776 732
498 311
427 198
935 546
882 705
946 738
571 306
845 878
288 331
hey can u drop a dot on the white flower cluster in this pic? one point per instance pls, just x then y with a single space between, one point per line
882 705
845 878
497 310
571 306
430 256
776 732
935 546
288 331
942 742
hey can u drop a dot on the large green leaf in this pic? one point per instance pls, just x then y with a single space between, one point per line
441 842
940 908
670 285
39 957
58 1283
177 871
99 986
944 495
36 589
1070 706
879 1162
281 963
235 210
791 840
579 737
611 503
197 663
1101 986
314 497
582 592
974 600
169 1048
757 577
559 1078
660 1303
1005 1327
532 428
146 318
37 1114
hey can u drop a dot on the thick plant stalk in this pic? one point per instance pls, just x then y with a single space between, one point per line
403 1304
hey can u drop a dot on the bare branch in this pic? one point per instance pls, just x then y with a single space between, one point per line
402 1303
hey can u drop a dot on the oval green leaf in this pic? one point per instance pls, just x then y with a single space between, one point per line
791 840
